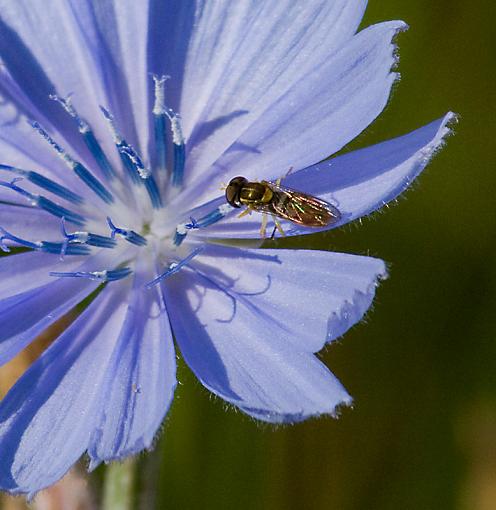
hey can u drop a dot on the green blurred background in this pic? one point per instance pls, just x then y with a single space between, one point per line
422 368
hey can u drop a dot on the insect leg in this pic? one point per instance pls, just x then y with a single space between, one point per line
278 181
290 169
245 212
263 226
278 227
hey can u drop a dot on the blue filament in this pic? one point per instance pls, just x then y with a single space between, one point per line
84 238
7 235
133 163
13 186
205 221
45 183
179 236
144 174
88 136
98 153
175 267
80 170
128 165
153 192
45 203
129 235
110 275
179 163
160 131
159 122
92 182
71 249
209 219
120 144
59 211
45 246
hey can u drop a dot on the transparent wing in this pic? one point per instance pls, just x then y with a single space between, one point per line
301 208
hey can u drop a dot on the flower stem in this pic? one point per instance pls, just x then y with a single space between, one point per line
118 488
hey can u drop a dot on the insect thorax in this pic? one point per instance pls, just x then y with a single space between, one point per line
255 193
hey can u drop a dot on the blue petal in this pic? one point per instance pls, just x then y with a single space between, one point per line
357 183
321 112
115 35
31 299
30 223
28 313
27 271
266 47
33 56
140 380
248 330
363 181
311 297
22 147
47 418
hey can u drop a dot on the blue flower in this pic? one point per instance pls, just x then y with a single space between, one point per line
110 189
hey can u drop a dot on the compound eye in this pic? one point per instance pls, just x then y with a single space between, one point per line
233 190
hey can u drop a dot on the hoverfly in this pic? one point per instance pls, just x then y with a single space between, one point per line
280 202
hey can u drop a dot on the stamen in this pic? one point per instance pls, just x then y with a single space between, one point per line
72 249
133 163
44 203
79 169
45 246
145 175
205 221
143 172
107 275
129 235
7 235
174 267
82 237
180 234
213 217
120 142
159 122
179 148
88 136
45 183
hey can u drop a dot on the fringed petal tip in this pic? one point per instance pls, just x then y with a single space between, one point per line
446 130
335 410
352 312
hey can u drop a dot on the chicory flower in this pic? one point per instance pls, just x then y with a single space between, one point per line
119 122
